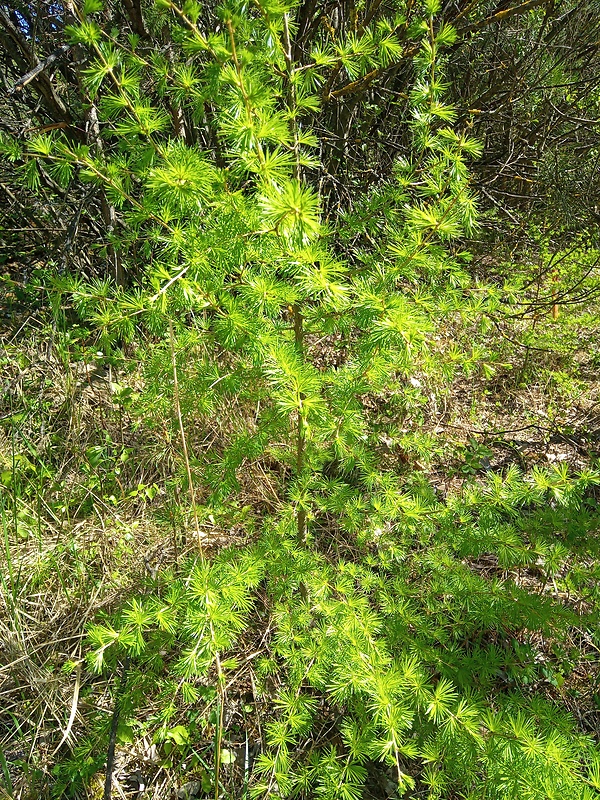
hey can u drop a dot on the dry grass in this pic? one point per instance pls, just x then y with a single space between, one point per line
56 590
70 552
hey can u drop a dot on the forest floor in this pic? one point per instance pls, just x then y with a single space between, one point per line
79 539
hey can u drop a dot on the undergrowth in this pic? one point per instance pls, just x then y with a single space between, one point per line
267 528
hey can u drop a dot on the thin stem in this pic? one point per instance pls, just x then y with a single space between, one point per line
291 91
301 433
433 50
219 732
247 102
183 439
114 724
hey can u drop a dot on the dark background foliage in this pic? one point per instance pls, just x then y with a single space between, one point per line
523 76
